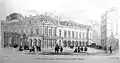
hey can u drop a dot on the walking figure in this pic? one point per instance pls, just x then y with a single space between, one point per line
110 49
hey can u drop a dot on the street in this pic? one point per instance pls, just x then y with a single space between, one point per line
10 55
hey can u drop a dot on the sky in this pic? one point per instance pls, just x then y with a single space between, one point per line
81 11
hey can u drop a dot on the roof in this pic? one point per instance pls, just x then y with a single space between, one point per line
73 24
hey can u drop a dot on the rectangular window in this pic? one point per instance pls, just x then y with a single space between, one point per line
79 34
76 34
60 33
69 33
31 30
37 31
65 33
83 36
21 30
46 31
72 34
54 31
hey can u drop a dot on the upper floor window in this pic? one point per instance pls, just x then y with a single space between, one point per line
54 32
65 33
46 31
69 33
76 34
72 34
83 36
49 31
80 34
60 33
37 31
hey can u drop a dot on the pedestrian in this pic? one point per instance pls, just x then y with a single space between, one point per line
56 48
85 49
78 49
20 48
110 49
61 49
38 48
81 49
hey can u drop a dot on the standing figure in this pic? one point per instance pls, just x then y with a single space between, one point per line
81 49
85 49
78 49
32 49
38 48
56 48
61 49
110 49
20 48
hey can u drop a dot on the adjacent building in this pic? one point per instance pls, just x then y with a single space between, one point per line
44 31
109 29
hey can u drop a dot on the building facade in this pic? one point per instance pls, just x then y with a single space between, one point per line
44 31
109 29
73 34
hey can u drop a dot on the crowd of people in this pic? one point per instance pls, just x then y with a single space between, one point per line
58 48
30 48
80 49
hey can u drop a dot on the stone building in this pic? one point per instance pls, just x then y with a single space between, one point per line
43 30
73 34
109 29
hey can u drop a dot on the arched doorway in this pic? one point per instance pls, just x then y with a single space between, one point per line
83 43
69 43
59 42
72 43
79 43
65 43
76 44
35 42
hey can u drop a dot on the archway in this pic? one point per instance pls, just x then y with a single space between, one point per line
79 43
69 43
72 43
83 43
65 43
76 44
35 41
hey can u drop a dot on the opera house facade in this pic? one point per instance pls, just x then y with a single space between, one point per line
43 30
